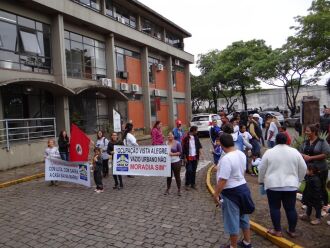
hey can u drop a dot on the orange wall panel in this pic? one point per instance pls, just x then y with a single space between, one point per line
135 113
161 80
133 66
180 81
182 113
163 114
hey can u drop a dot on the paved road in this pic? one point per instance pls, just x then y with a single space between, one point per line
35 215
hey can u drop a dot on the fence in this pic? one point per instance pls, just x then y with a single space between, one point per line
15 130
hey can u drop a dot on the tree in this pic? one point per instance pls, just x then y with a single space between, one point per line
235 65
313 33
199 92
286 67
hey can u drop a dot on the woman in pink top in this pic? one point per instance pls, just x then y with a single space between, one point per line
156 134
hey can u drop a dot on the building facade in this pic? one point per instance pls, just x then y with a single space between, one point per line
66 61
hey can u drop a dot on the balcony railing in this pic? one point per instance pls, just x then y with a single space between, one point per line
16 130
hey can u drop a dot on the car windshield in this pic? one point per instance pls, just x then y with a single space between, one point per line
215 117
200 118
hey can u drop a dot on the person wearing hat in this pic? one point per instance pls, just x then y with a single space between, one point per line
272 132
178 131
256 133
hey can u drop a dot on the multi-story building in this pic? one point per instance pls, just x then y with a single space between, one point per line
79 61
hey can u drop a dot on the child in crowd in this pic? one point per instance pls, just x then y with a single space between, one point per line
256 161
312 195
217 151
97 169
52 151
282 129
246 138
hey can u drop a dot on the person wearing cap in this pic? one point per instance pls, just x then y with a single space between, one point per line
178 131
272 132
214 131
256 133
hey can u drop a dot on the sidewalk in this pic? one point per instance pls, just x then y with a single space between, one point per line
32 169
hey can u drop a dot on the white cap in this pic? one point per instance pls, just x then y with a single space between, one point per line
256 115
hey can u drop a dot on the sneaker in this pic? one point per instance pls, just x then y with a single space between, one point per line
120 187
98 191
101 190
115 187
242 244
316 222
324 214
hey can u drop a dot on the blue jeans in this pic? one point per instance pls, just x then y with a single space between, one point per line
270 144
232 219
288 199
191 168
255 147
64 156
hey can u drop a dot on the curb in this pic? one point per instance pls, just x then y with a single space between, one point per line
21 180
281 242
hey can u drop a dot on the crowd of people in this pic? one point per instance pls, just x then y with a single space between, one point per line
239 147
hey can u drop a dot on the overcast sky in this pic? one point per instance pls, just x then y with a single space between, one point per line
215 24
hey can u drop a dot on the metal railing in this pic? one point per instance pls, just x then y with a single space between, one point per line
15 130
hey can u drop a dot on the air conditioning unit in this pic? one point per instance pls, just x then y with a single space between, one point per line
124 86
135 87
157 92
106 82
160 67
177 62
123 74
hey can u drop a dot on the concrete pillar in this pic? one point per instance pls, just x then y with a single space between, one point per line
110 56
188 92
1 118
103 7
146 89
139 23
62 113
170 92
58 50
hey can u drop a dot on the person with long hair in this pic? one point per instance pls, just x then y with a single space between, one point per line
315 151
112 143
128 138
175 152
63 145
156 134
102 143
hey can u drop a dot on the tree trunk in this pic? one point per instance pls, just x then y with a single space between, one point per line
243 94
215 101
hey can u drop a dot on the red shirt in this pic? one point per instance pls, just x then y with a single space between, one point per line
288 142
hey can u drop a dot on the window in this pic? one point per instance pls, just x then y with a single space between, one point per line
24 44
151 29
94 4
152 63
121 54
109 8
125 17
85 57
173 40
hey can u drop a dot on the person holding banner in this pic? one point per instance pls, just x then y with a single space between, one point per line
128 137
175 153
52 151
97 169
102 143
192 150
115 142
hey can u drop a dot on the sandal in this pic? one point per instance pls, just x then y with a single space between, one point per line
275 233
316 222
291 234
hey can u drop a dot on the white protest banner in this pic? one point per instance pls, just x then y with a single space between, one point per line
142 161
74 172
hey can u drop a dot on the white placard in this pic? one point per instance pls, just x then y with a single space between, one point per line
142 161
74 172
116 122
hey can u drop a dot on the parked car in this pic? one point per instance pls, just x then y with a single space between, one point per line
265 114
291 121
204 121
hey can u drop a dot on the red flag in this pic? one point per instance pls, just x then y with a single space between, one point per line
79 145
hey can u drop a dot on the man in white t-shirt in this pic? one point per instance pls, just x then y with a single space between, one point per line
236 196
272 132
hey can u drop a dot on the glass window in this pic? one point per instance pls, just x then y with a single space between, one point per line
86 59
30 42
120 62
8 36
26 22
109 7
7 17
66 34
152 62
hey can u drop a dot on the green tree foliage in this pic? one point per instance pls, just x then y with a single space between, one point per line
199 92
313 34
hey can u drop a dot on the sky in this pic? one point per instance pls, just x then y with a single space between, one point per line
215 24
